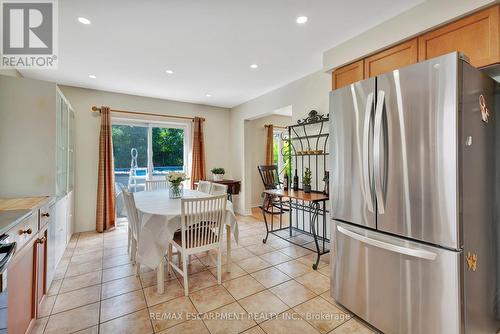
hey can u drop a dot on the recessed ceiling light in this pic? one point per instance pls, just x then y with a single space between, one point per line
254 66
91 76
301 19
83 20
169 72
208 95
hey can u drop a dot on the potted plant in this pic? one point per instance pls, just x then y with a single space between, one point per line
306 180
176 188
218 173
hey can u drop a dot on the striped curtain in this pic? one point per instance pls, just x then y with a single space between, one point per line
198 171
269 145
105 212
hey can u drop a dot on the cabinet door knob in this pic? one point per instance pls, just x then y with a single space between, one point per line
28 231
46 214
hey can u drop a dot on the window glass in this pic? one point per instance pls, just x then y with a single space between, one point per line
168 150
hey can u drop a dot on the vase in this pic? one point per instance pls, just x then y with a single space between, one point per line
218 177
175 190
307 188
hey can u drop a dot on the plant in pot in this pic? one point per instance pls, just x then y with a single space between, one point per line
306 180
175 187
218 173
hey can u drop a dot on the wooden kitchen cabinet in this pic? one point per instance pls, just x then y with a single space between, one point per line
477 36
21 281
398 56
348 74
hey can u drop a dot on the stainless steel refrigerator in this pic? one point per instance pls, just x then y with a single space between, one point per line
415 199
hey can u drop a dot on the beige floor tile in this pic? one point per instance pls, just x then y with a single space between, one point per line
243 286
254 330
54 287
253 264
314 281
87 257
288 323
235 320
240 254
46 306
295 251
76 298
76 269
149 278
188 327
80 281
114 261
109 252
173 289
39 325
277 243
353 326
118 272
270 277
200 281
133 323
90 330
119 286
194 267
321 314
73 320
275 257
310 259
325 270
294 268
121 305
260 249
210 298
235 272
171 313
292 293
263 305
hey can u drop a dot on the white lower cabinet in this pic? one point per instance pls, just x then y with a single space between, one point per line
63 226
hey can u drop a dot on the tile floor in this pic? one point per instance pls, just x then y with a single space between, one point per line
271 289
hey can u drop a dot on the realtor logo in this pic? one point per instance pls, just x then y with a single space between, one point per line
29 34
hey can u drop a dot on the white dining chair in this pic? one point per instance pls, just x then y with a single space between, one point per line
218 189
201 230
133 225
204 186
156 184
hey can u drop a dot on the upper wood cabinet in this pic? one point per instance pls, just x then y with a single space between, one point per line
477 36
396 57
348 74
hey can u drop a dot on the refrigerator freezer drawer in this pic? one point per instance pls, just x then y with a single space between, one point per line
396 285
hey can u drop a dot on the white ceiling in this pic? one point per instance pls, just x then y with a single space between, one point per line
209 44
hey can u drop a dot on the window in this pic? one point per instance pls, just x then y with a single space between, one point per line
147 150
281 151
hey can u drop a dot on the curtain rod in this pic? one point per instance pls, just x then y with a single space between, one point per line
276 126
96 109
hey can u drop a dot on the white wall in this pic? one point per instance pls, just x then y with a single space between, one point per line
414 21
256 135
310 92
87 138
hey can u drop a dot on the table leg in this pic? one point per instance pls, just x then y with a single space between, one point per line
160 277
228 248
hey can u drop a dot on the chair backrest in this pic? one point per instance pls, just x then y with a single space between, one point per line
204 186
202 220
133 217
269 176
218 189
156 184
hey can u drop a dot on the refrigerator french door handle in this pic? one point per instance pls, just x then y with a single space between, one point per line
419 253
366 153
377 155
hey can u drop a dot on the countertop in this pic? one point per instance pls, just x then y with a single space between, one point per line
10 218
28 203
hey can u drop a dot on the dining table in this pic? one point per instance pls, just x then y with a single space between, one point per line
159 218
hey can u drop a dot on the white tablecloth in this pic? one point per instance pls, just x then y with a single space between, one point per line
160 218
